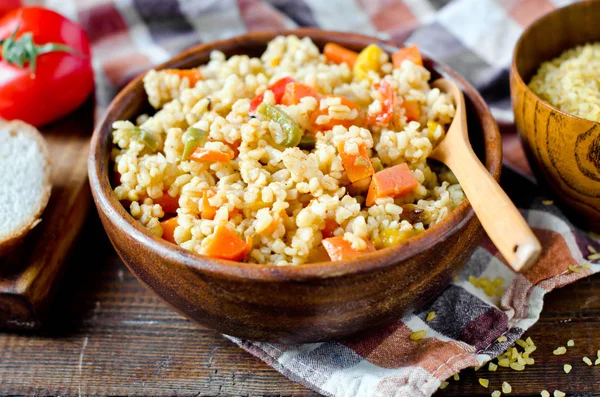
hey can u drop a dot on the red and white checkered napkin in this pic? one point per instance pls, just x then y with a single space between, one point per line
476 38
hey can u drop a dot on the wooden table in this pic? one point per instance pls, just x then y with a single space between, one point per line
108 335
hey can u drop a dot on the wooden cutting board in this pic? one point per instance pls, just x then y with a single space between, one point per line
29 274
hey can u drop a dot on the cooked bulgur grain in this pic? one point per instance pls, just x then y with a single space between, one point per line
278 153
569 81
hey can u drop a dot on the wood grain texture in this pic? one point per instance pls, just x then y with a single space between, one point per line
109 335
563 150
29 273
304 303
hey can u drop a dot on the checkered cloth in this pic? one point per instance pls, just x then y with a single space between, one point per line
476 38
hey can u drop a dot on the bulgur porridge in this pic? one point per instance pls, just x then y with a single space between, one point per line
294 157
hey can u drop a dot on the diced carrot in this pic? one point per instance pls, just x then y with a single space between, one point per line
168 228
193 75
168 203
213 156
357 166
384 117
235 146
330 227
278 89
412 110
226 244
233 212
339 249
295 91
396 181
411 53
337 54
208 211
332 123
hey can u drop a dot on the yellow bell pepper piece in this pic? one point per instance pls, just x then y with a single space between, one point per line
370 58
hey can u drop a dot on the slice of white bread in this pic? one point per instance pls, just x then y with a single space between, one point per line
25 181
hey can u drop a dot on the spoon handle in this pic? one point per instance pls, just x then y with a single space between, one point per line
502 221
500 218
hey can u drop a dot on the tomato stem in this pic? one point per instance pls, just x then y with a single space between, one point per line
23 50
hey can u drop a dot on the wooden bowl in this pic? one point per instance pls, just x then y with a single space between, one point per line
291 304
563 150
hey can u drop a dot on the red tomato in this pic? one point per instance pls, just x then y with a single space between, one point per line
7 5
61 80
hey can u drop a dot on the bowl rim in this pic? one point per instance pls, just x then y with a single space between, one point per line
517 73
113 210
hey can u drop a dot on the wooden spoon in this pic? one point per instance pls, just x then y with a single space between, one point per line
502 221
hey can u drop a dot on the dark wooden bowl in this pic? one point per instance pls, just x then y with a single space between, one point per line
305 303
563 150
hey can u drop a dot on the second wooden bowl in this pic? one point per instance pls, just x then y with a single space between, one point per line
292 304
563 150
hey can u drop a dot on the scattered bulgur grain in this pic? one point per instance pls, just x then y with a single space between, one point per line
484 382
567 368
456 376
529 361
574 269
496 393
517 367
558 393
529 341
592 249
502 339
443 385
430 316
597 362
587 360
594 257
545 393
560 351
418 335
522 343
547 202
585 265
571 343
504 362
492 367
506 388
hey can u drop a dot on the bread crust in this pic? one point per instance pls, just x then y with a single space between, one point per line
8 242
